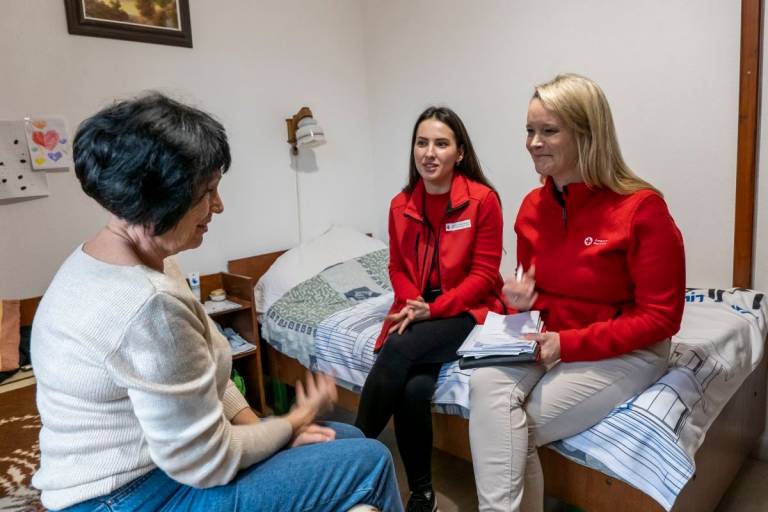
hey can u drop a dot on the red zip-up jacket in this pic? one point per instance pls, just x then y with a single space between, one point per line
468 244
610 268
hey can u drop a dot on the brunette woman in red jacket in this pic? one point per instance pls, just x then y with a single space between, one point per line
605 266
445 242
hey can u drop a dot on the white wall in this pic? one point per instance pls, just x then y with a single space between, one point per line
669 69
253 64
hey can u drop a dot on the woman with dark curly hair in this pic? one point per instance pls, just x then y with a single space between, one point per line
133 386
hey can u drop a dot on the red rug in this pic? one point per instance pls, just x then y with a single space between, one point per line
19 450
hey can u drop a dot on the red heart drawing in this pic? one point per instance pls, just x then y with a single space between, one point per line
48 139
38 138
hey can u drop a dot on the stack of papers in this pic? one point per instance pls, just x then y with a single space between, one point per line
500 341
237 344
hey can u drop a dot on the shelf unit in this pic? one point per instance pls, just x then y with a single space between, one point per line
239 289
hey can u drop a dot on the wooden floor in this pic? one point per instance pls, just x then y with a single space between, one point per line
749 492
455 482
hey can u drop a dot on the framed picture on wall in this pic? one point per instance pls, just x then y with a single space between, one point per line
147 21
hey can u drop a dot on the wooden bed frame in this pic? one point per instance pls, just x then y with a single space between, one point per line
728 442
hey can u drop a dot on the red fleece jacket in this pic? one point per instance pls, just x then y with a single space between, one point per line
610 268
468 244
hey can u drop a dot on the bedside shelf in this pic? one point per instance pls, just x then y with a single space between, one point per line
245 354
244 304
239 289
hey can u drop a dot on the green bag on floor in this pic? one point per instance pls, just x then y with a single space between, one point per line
239 381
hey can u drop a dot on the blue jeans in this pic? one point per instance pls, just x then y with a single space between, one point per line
333 476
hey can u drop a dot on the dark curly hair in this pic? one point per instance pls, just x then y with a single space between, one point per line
149 160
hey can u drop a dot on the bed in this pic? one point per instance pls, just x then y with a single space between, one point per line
709 408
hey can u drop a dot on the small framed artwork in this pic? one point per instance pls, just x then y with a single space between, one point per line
147 21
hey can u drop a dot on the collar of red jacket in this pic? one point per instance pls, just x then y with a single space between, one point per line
459 196
572 194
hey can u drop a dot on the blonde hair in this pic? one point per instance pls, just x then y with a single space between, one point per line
581 106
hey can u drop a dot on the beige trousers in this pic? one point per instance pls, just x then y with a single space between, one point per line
518 408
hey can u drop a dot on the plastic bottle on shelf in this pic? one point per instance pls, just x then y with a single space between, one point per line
194 283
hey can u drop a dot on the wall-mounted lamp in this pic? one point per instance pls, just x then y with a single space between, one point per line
304 131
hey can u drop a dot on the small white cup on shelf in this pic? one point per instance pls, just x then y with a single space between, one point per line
217 295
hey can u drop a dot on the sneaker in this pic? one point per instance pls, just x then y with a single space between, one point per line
421 502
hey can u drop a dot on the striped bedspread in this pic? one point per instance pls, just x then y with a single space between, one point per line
649 441
344 347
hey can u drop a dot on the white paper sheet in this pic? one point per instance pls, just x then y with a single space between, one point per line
48 143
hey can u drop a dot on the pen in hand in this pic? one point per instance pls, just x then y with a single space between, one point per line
520 290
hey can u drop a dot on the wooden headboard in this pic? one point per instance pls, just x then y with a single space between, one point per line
748 141
253 266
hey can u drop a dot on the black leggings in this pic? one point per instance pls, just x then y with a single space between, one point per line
401 384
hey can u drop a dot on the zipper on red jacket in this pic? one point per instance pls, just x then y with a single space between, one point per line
425 272
424 277
560 196
436 256
424 225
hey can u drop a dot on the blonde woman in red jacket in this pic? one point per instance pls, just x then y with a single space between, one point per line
445 241
605 265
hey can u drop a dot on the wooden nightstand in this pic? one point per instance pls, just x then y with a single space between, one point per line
239 289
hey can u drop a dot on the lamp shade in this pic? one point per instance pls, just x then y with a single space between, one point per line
309 134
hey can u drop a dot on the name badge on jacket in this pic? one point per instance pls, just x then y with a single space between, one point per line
455 226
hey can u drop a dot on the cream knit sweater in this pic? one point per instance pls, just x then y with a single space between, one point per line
131 375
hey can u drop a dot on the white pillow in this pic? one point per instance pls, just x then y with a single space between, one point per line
310 258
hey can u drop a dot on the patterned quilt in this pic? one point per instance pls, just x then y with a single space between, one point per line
291 323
